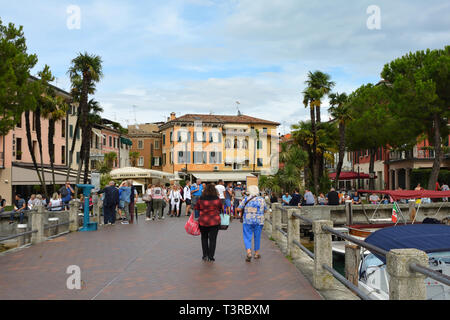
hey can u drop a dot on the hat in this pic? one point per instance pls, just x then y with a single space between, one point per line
238 183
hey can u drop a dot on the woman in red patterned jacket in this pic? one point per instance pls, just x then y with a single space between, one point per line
210 207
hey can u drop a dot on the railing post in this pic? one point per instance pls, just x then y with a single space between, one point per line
268 218
349 212
276 221
53 230
96 207
352 259
21 228
37 223
403 283
323 254
73 215
293 232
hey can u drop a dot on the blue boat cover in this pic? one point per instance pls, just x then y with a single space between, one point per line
425 237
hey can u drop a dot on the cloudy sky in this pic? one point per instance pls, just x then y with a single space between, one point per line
201 56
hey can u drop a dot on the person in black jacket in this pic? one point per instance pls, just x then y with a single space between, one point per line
296 200
110 203
333 198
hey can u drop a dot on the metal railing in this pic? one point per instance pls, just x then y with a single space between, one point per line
18 235
413 267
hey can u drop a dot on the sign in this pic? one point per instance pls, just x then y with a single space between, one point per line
252 181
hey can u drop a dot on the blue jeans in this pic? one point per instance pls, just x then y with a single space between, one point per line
11 217
252 231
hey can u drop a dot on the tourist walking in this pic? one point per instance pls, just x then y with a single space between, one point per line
110 203
187 197
210 207
252 210
20 205
238 196
221 191
228 198
196 192
158 199
175 201
133 200
124 203
147 198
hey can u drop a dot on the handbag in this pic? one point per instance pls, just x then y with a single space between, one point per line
224 221
146 198
192 226
243 209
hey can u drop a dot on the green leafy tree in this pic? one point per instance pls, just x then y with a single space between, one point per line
134 156
420 85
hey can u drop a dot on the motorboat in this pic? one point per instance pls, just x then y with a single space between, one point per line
433 239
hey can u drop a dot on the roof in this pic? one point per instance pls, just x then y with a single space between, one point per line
215 118
426 237
410 194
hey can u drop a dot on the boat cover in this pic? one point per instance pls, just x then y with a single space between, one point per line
425 237
410 194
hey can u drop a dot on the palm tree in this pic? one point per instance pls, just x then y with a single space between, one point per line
134 156
87 69
339 110
321 82
110 157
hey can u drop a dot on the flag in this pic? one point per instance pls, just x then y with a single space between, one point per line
395 211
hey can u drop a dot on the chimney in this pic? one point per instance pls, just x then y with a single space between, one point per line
172 116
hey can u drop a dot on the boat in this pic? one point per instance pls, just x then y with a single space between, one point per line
433 239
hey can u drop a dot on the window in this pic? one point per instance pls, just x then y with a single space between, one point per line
104 140
63 154
18 148
259 145
157 144
227 144
164 159
96 142
164 139
78 157
245 144
78 134
140 144
156 161
110 141
260 162
200 157
184 157
215 157
183 136
63 128
71 131
236 143
141 162
265 130
171 134
199 136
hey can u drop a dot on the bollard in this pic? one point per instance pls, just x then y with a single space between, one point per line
403 283
293 234
276 222
323 254
96 208
352 259
73 215
267 219
53 230
412 210
21 228
37 223
349 212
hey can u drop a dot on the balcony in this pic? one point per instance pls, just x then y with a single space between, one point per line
415 154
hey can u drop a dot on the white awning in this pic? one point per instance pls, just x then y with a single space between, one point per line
225 176
140 173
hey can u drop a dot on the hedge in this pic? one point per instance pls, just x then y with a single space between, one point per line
422 176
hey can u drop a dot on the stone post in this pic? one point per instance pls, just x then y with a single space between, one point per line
349 212
352 259
96 210
37 223
323 254
53 230
21 228
267 219
276 221
293 234
73 216
404 284
412 209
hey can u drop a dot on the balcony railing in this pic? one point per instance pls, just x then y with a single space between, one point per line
414 154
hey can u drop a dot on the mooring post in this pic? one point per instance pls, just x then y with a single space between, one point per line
352 259
37 223
276 222
405 284
349 212
21 228
323 254
293 231
73 215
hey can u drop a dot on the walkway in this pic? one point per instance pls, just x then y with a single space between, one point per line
150 260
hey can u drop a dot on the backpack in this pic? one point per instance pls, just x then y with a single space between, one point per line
63 192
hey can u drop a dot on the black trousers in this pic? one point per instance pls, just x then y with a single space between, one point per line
209 237
109 214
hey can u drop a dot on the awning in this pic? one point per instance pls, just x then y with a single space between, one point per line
225 176
349 175
140 173
21 176
126 141
98 134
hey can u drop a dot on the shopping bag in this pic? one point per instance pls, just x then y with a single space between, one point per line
224 221
192 227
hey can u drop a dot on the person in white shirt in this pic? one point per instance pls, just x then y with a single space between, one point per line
187 197
221 191
55 203
175 200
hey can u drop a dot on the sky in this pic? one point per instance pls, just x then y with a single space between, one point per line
202 56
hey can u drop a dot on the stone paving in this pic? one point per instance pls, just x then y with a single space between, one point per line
151 260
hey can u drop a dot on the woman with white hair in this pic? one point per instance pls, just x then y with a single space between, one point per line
252 210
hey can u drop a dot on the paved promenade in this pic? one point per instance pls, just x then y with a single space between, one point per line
150 260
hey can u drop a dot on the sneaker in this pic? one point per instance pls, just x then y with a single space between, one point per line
125 222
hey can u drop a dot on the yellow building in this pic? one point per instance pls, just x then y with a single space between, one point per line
213 147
